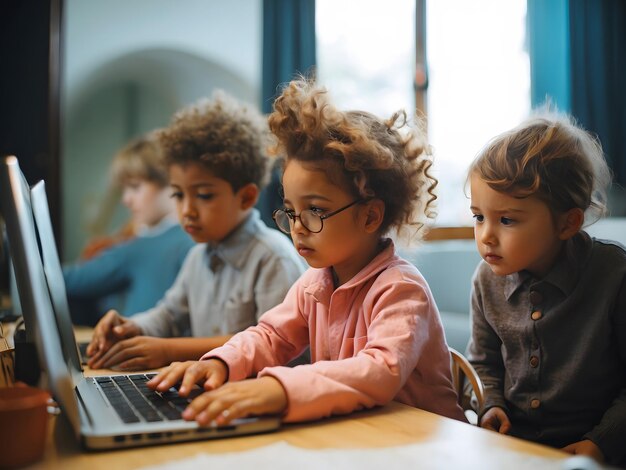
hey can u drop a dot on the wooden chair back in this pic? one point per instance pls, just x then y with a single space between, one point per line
461 368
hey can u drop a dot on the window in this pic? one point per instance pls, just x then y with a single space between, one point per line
365 58
478 70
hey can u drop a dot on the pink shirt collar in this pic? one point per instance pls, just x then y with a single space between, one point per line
321 287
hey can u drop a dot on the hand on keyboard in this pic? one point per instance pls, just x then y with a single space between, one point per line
233 400
136 353
111 328
210 374
222 402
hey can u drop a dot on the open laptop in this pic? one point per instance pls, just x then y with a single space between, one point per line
106 411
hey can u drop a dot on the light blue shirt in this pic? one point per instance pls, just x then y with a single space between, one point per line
225 288
141 270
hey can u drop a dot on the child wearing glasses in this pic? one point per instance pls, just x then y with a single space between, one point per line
548 302
373 328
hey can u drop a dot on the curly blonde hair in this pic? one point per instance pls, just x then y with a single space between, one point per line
384 159
227 137
141 159
551 157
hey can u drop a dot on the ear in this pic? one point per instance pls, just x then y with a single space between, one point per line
570 223
374 214
249 194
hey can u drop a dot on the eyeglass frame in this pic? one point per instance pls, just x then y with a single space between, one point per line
293 216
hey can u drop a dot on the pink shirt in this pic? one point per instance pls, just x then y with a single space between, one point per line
374 339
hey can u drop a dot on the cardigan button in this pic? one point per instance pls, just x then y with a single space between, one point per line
535 297
534 361
536 315
535 403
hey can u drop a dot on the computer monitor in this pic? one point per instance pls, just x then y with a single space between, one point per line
11 310
28 218
54 274
20 228
32 286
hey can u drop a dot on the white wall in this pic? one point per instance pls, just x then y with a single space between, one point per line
127 66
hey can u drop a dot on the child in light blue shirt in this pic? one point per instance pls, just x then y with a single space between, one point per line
132 274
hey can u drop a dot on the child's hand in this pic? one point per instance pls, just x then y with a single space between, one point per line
496 419
212 374
137 353
587 448
111 328
236 400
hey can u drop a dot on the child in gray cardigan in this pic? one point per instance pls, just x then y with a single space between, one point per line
548 302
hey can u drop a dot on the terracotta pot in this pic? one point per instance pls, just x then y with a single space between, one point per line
23 423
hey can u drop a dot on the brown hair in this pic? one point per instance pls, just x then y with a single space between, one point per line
140 159
225 136
384 159
551 157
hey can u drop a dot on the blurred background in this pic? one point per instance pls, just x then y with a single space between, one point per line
83 77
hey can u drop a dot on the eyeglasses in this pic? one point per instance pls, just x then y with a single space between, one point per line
310 219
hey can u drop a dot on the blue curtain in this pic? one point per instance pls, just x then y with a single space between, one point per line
548 47
598 69
288 49
288 44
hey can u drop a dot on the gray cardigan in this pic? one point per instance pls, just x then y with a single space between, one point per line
552 351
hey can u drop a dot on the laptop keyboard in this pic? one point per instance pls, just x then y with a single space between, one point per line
134 401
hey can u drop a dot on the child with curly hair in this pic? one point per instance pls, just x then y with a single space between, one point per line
216 154
368 316
548 302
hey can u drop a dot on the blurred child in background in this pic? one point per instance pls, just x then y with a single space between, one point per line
131 271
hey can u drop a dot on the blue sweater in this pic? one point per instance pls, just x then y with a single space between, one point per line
141 270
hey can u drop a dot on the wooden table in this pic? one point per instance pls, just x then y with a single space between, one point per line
392 425
386 427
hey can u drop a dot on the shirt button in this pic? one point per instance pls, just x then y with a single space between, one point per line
536 315
534 361
535 297
535 403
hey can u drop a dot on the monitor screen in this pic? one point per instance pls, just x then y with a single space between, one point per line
20 229
54 274
32 286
